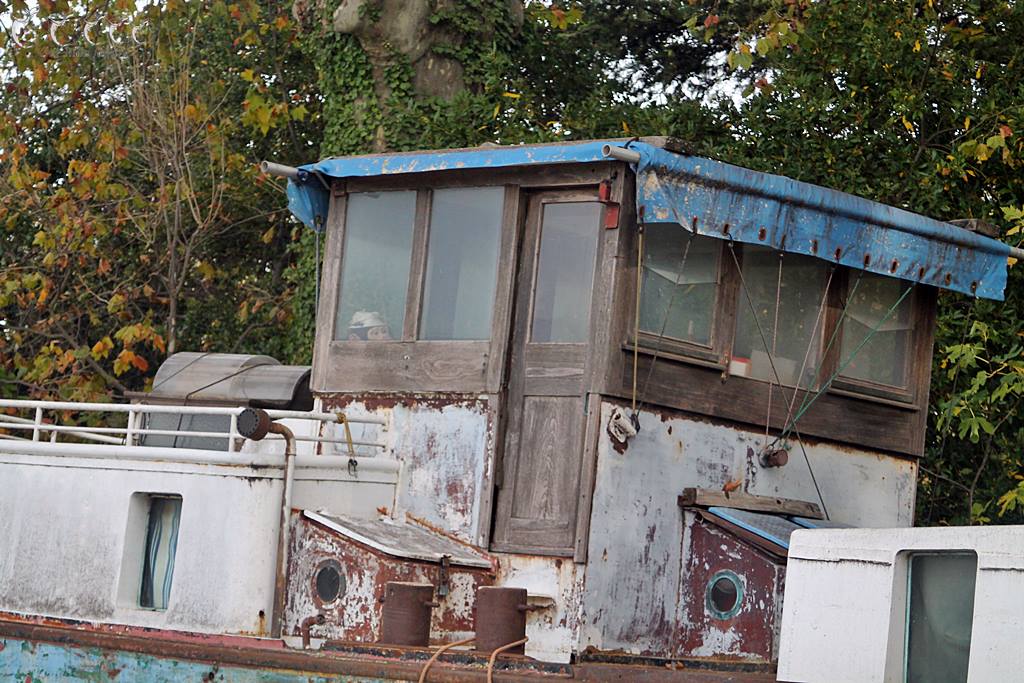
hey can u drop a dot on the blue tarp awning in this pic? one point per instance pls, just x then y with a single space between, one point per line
724 201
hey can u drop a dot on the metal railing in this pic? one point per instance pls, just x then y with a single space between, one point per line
43 429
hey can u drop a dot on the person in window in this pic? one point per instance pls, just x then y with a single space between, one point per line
368 326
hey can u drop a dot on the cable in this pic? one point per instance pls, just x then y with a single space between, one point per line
440 650
661 334
498 651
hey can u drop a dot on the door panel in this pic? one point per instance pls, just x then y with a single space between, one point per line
543 443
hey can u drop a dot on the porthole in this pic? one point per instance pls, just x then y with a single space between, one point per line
328 583
724 595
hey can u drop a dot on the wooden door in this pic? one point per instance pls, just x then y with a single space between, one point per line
543 445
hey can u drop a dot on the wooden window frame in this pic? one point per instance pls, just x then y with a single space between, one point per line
715 354
689 378
907 395
724 326
409 364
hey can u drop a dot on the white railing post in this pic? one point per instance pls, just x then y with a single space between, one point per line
37 423
232 433
129 434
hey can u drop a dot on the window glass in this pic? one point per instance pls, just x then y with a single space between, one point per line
799 327
565 272
940 613
375 265
462 262
680 283
884 357
161 546
187 423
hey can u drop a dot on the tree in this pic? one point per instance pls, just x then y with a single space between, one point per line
130 196
917 105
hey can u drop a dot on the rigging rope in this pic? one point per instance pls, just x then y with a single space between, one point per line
810 343
775 339
828 383
636 317
665 319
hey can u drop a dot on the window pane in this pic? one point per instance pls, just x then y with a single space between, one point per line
161 546
375 265
462 261
940 614
680 283
884 358
565 272
800 299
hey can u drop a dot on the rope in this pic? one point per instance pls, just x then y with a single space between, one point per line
664 324
438 652
498 651
810 470
810 344
828 346
636 317
775 339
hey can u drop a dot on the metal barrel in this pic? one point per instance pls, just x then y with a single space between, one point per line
406 615
500 618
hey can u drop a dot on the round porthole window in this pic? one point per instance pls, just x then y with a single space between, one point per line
328 582
724 595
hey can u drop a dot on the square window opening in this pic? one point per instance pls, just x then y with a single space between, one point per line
940 616
462 263
376 261
780 314
159 550
679 286
877 333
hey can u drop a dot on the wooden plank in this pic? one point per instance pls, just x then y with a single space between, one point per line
492 460
504 290
694 497
448 366
331 272
418 266
835 418
588 477
543 177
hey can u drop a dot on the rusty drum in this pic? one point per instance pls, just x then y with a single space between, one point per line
405 619
500 618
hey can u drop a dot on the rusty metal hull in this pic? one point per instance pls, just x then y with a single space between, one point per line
47 650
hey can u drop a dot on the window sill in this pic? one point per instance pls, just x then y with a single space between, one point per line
895 400
675 355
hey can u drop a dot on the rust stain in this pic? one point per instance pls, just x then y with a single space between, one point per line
372 401
751 633
356 615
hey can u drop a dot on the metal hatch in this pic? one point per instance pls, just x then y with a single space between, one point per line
219 379
231 379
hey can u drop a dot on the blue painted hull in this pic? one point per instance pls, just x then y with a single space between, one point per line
32 662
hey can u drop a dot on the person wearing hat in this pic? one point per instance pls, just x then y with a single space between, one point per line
368 326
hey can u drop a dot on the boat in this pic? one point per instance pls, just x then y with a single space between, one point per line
600 410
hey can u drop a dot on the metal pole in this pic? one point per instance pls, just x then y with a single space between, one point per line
621 153
284 537
279 170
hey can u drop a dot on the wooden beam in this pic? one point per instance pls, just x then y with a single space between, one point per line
692 497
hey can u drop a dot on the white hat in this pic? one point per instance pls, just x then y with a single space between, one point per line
367 319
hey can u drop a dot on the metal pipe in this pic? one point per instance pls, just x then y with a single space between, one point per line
87 432
621 153
1017 253
378 468
76 432
279 169
307 624
152 408
284 537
